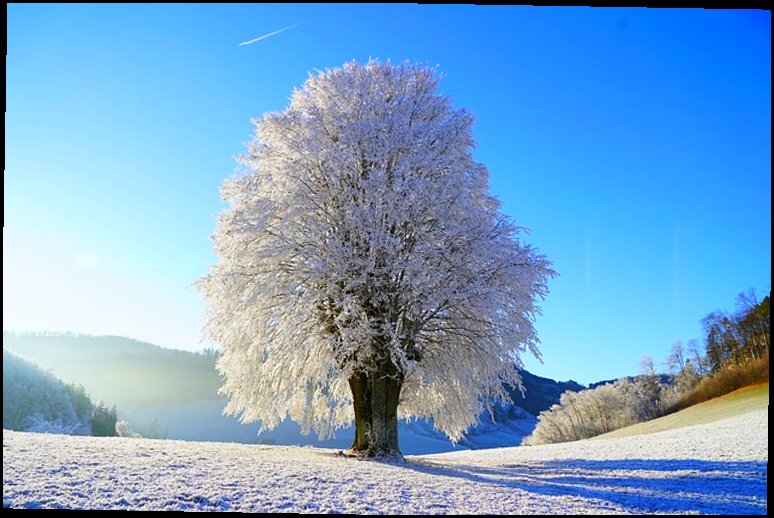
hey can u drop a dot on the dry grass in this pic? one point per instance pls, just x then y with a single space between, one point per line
724 381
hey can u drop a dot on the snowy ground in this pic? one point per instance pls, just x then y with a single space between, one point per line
713 468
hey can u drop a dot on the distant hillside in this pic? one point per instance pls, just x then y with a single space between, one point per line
541 393
664 379
178 391
123 371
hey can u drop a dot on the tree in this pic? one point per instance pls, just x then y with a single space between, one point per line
364 270
683 383
698 361
676 360
646 365
647 387
81 403
103 420
154 430
753 323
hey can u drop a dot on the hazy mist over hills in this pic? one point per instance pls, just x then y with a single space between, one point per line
121 370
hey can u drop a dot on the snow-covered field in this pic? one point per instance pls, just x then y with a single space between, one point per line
719 467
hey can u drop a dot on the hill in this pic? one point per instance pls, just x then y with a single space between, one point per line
123 371
36 400
709 468
736 403
177 390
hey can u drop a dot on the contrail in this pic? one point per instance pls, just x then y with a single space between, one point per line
259 38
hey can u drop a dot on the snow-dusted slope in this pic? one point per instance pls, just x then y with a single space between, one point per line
714 468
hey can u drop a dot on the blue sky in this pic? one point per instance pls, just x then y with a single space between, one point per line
635 144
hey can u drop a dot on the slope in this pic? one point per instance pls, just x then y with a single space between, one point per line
36 400
739 402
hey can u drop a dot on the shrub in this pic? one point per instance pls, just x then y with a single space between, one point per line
580 415
124 429
727 379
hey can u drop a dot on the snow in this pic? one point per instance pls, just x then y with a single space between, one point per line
720 467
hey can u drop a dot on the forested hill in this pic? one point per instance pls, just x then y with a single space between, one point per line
540 393
121 370
36 400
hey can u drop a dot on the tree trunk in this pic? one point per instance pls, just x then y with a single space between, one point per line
361 396
375 397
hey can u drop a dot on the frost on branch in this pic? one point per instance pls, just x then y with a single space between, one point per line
360 234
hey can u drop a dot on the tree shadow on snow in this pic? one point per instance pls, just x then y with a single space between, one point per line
640 485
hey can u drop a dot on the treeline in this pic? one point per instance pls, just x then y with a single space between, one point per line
736 351
736 354
37 401
739 337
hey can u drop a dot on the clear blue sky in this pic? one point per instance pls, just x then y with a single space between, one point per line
635 144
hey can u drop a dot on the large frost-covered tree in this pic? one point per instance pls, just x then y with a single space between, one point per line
364 270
